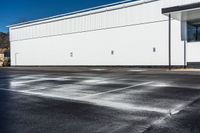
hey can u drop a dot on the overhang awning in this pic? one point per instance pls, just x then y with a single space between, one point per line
190 12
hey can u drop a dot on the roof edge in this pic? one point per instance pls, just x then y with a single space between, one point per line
180 8
135 2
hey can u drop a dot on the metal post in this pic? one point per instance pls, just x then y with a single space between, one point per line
185 54
170 67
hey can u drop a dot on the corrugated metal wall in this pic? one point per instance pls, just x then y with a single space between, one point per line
108 19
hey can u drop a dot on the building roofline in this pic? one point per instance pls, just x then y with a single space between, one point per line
180 8
77 13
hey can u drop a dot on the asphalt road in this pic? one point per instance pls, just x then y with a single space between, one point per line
98 100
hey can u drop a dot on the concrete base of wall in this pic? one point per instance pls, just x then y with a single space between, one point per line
116 66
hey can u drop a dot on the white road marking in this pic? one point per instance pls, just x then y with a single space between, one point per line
161 84
11 90
19 83
182 106
91 95
95 80
98 69
116 105
127 106
105 103
37 89
137 70
115 90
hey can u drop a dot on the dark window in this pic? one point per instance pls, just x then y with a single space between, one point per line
193 30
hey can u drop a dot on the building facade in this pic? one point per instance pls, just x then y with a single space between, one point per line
138 33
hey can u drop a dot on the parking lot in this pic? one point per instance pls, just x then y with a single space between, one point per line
99 100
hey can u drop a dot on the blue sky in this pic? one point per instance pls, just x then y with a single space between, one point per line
15 11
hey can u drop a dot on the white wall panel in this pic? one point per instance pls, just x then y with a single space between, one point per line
193 52
112 18
70 26
42 44
133 15
132 46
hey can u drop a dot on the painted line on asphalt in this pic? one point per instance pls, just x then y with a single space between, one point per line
110 104
78 83
92 95
181 107
137 70
11 90
98 69
36 89
171 113
98 102
116 90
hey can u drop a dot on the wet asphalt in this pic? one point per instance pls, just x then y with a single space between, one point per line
98 100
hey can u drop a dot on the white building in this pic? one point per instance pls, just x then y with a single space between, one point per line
140 33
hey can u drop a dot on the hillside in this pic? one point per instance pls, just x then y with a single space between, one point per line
4 40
